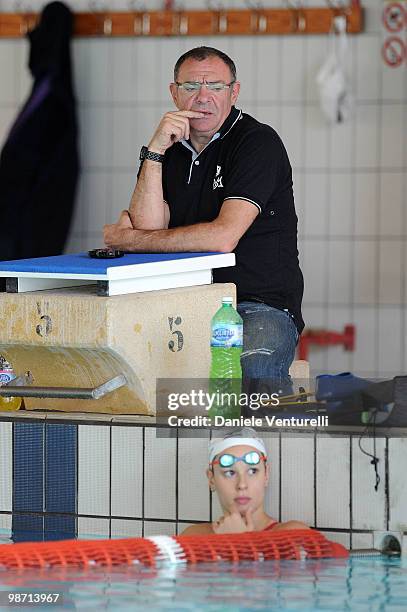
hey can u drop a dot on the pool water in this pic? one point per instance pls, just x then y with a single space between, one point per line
368 584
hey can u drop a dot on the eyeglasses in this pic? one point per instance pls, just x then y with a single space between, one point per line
227 460
191 87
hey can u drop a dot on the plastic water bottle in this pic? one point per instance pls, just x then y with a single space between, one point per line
6 376
226 372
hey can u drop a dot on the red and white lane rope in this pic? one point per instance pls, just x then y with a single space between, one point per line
251 546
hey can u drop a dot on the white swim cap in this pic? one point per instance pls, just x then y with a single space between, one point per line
239 437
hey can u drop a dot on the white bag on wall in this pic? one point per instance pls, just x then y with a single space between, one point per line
335 98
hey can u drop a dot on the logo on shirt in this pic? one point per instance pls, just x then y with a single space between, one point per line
217 181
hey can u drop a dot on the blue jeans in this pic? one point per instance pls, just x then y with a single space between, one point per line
270 337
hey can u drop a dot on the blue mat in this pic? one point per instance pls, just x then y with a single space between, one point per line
81 263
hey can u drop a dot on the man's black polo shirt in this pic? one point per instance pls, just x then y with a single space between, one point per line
244 160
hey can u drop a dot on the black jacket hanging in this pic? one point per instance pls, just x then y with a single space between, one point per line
39 163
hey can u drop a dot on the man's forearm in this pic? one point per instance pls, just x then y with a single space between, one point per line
147 208
199 237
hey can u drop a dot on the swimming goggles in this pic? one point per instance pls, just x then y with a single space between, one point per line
252 458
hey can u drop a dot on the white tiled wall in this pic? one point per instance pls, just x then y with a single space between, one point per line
364 495
350 180
160 475
127 467
297 498
324 481
397 492
6 467
122 528
192 464
333 486
93 470
5 528
133 483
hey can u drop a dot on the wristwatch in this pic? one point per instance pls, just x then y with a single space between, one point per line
146 154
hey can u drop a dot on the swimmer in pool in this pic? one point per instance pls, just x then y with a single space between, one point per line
238 471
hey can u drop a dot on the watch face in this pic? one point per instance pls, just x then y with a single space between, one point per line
143 152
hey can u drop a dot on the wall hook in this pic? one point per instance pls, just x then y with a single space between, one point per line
179 24
258 19
137 9
338 9
107 26
298 19
26 24
219 18
145 24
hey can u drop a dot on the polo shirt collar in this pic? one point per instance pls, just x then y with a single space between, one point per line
230 121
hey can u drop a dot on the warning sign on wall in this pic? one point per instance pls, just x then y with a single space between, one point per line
394 19
393 51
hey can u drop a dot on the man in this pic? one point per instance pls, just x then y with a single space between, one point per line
215 179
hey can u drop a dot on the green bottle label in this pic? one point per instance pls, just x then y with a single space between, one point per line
227 335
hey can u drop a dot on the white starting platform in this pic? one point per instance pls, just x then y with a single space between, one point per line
132 273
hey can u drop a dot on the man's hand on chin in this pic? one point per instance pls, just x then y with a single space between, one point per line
119 235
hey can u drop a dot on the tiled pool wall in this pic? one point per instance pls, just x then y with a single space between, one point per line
62 480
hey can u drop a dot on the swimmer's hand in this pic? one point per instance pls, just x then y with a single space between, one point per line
234 522
173 127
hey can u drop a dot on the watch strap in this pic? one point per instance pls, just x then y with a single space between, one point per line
151 155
